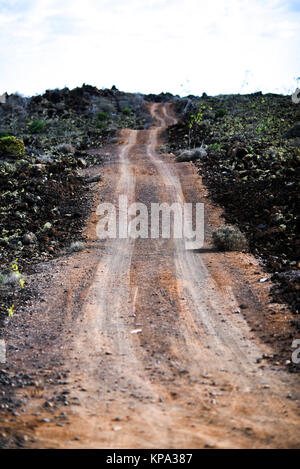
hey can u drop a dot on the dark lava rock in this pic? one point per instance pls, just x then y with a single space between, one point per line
95 178
29 238
251 171
293 132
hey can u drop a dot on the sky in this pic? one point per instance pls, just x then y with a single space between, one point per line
181 46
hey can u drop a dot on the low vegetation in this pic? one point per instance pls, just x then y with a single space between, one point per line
11 147
252 154
45 141
37 127
230 238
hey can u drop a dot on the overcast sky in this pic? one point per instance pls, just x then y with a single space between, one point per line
181 46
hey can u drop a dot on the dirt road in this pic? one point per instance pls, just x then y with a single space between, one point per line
194 375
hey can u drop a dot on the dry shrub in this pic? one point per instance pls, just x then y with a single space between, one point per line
229 238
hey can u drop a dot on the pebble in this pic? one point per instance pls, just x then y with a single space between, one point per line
48 404
95 178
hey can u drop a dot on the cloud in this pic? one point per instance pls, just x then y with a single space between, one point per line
150 45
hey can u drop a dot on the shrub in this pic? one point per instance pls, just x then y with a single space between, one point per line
229 238
101 125
12 279
11 146
221 112
102 116
37 127
215 146
4 133
190 155
127 111
76 246
106 106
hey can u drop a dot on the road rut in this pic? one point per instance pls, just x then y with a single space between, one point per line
163 356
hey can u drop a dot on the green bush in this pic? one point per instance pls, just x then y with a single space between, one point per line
4 133
101 124
215 146
102 116
127 111
37 127
221 112
11 146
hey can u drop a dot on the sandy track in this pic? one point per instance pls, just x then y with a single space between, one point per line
191 378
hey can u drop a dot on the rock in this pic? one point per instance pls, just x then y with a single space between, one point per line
295 142
66 148
40 167
112 128
290 275
82 163
4 319
47 226
117 428
3 98
190 155
29 238
114 140
96 178
293 132
238 150
48 404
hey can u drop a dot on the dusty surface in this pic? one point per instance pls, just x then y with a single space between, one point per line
194 376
